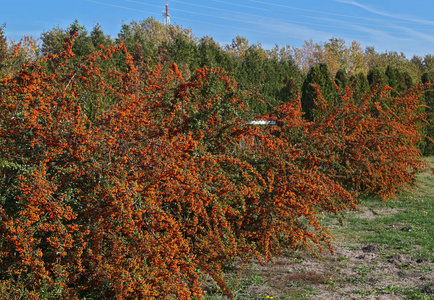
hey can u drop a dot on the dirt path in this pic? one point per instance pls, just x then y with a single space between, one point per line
355 271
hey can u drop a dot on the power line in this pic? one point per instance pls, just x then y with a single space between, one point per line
314 11
233 19
118 6
208 23
241 5
139 10
312 17
238 20
132 1
221 9
277 19
332 14
252 30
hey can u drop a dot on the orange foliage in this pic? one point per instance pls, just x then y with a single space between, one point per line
369 146
137 192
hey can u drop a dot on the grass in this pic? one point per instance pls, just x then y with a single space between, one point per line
404 225
400 233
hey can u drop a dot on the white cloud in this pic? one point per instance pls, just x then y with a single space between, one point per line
400 17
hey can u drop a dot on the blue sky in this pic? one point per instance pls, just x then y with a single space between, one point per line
399 25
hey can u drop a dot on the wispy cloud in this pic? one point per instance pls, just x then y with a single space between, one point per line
397 16
409 41
407 38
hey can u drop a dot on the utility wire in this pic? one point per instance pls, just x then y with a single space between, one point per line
231 19
310 17
240 5
285 20
332 14
238 20
118 6
208 23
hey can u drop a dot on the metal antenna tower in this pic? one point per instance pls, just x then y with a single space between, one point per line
166 15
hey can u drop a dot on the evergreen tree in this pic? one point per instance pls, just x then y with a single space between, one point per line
3 45
399 80
83 45
211 55
361 85
184 52
251 70
377 77
250 73
417 62
320 75
52 41
98 38
288 92
289 79
276 79
4 51
428 62
341 79
126 36
428 97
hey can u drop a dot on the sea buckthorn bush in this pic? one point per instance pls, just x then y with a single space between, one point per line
112 187
369 146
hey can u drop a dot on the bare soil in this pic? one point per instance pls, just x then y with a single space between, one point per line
361 273
355 271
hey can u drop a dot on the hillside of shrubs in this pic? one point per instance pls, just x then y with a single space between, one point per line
130 166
